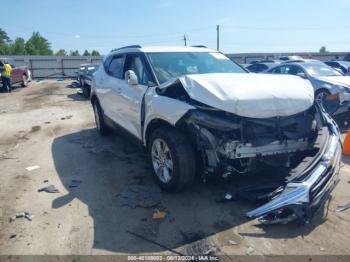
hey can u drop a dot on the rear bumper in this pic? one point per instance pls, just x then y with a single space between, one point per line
299 200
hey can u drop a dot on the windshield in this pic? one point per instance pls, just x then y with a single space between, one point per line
174 64
320 69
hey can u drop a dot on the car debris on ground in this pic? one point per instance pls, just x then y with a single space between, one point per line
26 215
342 208
227 198
157 215
31 168
49 189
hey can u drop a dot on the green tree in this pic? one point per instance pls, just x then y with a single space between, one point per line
323 49
38 45
61 52
4 42
18 47
95 53
74 53
86 53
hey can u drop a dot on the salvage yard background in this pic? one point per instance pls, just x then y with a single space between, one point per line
58 66
50 126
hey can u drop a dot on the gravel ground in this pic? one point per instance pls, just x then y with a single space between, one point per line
48 125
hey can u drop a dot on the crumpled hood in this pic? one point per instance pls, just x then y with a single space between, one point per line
336 80
249 95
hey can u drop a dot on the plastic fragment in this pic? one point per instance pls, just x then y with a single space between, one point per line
49 189
31 168
158 214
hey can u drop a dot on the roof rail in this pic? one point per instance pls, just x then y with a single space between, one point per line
129 46
202 46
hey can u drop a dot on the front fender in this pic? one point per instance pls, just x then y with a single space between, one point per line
163 108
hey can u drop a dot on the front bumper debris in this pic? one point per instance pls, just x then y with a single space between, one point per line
299 200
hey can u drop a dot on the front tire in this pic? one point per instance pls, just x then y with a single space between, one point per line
99 119
173 159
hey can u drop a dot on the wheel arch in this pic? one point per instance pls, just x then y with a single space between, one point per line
153 125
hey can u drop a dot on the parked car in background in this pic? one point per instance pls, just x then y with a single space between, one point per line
332 88
84 76
20 74
290 57
259 67
347 57
87 79
342 66
81 72
198 112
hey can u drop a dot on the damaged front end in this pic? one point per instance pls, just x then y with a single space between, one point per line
306 146
301 197
297 140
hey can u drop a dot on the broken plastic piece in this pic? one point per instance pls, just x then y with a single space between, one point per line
75 183
227 198
232 242
342 208
27 215
49 189
158 214
30 168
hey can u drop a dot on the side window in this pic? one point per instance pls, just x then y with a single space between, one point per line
252 68
136 64
115 68
279 70
261 68
294 70
107 63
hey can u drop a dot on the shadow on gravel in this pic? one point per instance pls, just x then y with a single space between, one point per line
118 188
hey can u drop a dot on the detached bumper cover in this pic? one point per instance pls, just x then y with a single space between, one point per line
299 200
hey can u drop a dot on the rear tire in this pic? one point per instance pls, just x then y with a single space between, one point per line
174 166
24 81
99 119
86 91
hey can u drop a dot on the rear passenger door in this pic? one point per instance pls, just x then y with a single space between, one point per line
112 103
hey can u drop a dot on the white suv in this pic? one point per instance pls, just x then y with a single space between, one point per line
197 112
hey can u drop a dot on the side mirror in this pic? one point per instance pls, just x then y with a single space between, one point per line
302 75
131 78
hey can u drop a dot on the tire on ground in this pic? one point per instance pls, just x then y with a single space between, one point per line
183 157
24 81
99 118
86 91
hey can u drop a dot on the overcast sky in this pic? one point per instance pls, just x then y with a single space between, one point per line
246 26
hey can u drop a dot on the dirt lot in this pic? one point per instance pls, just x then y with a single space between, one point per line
49 125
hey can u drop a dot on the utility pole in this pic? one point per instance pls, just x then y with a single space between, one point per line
218 37
185 40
